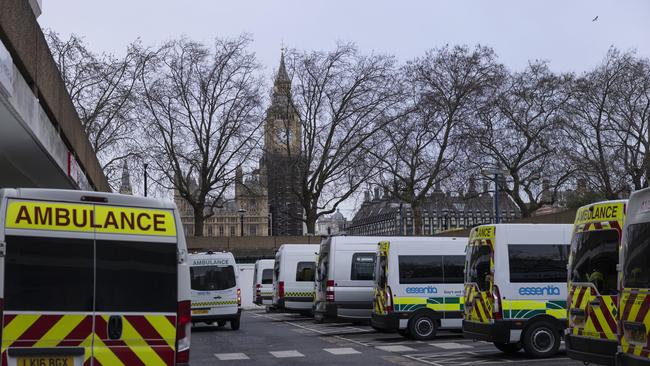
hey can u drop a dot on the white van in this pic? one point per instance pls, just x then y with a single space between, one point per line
263 282
345 278
293 277
516 286
216 295
102 278
419 286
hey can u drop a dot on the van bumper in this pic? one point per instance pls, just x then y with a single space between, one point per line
591 350
216 317
343 310
626 359
498 331
389 321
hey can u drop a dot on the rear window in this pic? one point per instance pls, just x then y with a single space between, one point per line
636 265
212 278
267 276
538 263
595 255
136 276
48 274
363 267
305 271
478 265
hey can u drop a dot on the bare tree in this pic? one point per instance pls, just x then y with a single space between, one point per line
519 130
444 89
102 91
201 116
343 99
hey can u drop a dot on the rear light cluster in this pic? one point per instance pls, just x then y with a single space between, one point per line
183 328
497 311
258 291
281 289
389 300
329 291
238 297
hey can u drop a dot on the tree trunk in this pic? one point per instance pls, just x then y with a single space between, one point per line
198 221
310 220
417 219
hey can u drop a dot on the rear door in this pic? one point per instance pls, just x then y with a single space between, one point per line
380 301
479 275
356 281
214 288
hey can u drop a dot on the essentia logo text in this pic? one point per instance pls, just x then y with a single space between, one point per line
549 290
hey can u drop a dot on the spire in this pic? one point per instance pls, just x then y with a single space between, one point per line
125 187
282 76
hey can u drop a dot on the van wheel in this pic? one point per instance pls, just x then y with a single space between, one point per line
403 332
541 340
422 327
508 348
234 324
221 323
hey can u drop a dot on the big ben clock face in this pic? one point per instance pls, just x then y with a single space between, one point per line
284 135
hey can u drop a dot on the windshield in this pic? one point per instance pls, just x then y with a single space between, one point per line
636 264
478 265
212 278
595 255
267 276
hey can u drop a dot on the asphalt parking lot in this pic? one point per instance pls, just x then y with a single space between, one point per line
289 339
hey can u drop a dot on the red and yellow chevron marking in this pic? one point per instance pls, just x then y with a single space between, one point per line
147 340
599 321
635 308
480 305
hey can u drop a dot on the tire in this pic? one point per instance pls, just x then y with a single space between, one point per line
234 324
541 340
403 332
221 323
422 327
508 348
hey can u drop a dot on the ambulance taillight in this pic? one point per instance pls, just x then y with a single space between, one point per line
238 297
183 327
389 300
281 289
258 291
496 298
329 291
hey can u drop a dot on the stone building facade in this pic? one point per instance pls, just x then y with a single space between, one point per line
382 214
332 224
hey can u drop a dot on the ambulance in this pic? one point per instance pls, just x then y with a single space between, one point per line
91 278
263 282
216 295
516 286
593 282
634 286
419 286
294 271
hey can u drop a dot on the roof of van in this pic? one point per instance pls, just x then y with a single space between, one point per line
269 261
638 207
74 196
211 255
298 247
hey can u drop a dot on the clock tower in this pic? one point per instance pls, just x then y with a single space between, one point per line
282 157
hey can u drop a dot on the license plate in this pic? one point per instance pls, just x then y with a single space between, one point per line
200 311
46 361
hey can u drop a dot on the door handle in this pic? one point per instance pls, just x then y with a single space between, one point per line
114 327
594 302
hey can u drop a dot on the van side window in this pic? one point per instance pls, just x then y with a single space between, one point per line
305 271
48 274
363 266
453 267
267 276
538 263
415 269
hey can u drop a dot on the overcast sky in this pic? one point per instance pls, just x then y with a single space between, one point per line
561 32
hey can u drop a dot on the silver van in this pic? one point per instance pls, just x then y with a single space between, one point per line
345 278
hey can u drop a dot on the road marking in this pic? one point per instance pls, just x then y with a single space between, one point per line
395 348
231 356
286 354
450 345
341 351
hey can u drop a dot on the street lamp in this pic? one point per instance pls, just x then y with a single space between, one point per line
241 220
495 172
270 224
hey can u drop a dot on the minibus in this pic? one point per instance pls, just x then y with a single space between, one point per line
263 282
294 271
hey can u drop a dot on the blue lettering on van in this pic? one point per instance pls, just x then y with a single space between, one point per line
549 290
422 290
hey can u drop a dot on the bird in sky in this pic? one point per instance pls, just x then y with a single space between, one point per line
596 18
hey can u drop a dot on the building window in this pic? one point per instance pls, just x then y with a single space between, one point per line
221 231
232 231
253 230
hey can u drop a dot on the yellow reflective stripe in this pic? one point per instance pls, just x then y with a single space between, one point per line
139 346
524 304
18 325
166 329
104 354
60 330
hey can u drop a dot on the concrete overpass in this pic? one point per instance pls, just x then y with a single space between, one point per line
42 142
